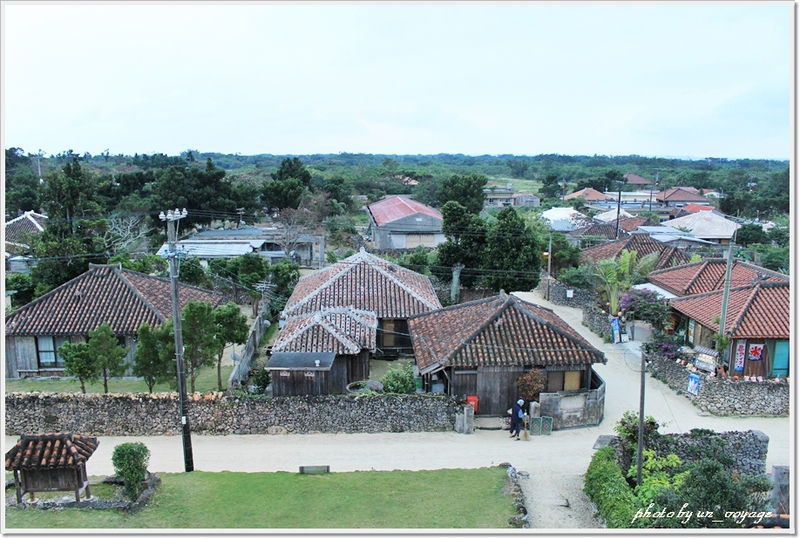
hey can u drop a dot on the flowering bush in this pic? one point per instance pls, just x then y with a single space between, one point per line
646 305
666 346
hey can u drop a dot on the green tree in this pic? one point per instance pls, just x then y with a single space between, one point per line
287 186
466 244
251 270
149 361
518 167
749 234
148 264
23 287
79 362
107 352
466 190
614 277
130 463
192 272
231 328
513 253
199 342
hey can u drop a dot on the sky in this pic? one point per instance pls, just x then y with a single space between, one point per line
525 78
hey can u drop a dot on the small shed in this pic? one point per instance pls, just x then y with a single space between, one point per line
51 462
306 373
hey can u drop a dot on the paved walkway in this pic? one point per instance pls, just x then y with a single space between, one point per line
555 463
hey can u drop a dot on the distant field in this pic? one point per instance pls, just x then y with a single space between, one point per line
443 499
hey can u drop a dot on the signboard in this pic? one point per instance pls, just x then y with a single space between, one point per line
690 332
705 362
615 330
741 351
694 383
755 351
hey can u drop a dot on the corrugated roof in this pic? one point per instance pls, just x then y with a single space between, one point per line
367 282
122 298
497 331
397 207
49 451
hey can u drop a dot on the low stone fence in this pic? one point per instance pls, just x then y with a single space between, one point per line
143 414
748 449
580 299
724 397
597 321
575 408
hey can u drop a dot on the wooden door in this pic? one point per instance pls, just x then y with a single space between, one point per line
497 390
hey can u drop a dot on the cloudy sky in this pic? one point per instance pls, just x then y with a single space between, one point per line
682 80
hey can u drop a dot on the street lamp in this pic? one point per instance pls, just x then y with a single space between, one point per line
651 196
172 218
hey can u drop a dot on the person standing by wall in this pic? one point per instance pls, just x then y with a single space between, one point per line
516 418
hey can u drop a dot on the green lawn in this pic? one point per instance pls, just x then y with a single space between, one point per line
206 381
466 499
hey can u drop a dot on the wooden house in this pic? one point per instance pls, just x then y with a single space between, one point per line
348 333
107 293
306 373
51 462
481 348
368 283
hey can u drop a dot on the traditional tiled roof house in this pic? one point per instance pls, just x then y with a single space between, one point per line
642 244
122 298
635 179
369 283
349 334
589 194
21 230
757 323
679 196
709 275
482 347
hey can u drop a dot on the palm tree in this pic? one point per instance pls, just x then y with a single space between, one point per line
614 277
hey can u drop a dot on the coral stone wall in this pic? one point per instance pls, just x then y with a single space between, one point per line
724 396
581 298
142 414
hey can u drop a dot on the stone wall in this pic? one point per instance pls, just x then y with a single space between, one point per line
143 414
597 321
571 409
724 397
581 298
748 449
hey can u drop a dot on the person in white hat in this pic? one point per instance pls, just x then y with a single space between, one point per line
516 418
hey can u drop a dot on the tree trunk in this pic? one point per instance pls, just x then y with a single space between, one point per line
83 386
219 371
105 380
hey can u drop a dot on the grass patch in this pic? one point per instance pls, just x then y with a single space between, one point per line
206 381
466 499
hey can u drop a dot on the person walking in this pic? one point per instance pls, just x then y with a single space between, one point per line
516 418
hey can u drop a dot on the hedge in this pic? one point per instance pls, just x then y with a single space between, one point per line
609 491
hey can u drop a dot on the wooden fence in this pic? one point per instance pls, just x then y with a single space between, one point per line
250 353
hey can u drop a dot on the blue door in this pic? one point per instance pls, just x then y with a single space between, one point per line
780 365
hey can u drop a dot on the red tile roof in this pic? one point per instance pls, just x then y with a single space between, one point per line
694 208
634 179
397 207
52 450
497 331
641 243
367 282
341 330
21 230
758 311
588 193
680 194
606 230
709 275
105 293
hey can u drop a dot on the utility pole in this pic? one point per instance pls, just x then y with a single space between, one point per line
619 204
726 292
39 164
172 218
549 264
640 440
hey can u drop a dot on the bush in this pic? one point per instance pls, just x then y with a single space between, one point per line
399 380
609 491
130 463
530 384
261 378
575 277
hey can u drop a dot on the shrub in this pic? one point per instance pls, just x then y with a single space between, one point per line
530 384
261 378
576 277
130 463
608 490
399 380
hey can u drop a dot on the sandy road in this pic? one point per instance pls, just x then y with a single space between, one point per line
555 463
